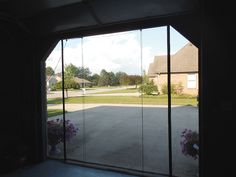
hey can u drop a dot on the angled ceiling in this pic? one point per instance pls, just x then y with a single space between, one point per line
55 16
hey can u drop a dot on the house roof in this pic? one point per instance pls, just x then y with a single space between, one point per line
81 81
50 77
183 61
76 79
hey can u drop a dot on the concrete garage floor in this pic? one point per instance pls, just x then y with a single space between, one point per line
52 168
113 136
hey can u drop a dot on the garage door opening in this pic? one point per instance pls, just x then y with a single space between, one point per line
126 101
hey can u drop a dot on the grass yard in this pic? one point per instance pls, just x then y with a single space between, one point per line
130 90
54 112
152 100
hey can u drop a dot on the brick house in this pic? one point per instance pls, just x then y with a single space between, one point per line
184 69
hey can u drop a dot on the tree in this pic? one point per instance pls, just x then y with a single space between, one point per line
68 84
94 79
145 77
84 73
74 71
49 71
104 78
122 78
135 80
71 70
113 79
125 80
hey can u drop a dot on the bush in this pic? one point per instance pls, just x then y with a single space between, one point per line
175 89
54 87
69 84
164 89
74 85
58 85
179 88
148 88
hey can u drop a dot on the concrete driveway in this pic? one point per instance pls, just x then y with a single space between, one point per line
112 135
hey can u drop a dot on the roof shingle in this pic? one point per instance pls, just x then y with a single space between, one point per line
183 61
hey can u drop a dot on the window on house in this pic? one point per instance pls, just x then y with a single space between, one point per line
192 81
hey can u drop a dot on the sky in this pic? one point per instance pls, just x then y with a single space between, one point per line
117 51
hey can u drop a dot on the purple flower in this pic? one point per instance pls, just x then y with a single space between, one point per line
55 131
189 143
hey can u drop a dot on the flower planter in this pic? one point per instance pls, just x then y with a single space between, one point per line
54 150
56 134
190 143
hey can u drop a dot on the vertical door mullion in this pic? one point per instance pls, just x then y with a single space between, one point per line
83 101
142 135
63 99
169 101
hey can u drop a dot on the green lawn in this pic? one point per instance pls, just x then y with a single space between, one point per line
54 112
153 100
133 90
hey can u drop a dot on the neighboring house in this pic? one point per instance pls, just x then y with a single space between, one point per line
184 69
83 82
51 80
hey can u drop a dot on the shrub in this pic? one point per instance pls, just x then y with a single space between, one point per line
164 89
69 84
179 88
148 88
174 88
58 85
53 87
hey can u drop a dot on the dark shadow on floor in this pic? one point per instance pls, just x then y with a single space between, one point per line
54 168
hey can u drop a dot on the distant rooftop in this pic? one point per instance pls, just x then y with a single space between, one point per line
183 61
